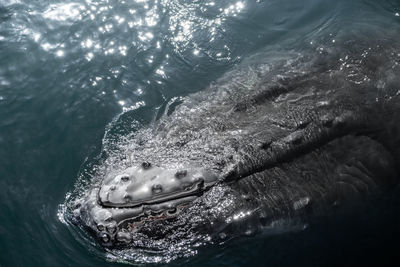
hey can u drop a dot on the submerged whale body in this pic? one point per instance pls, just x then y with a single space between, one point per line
266 147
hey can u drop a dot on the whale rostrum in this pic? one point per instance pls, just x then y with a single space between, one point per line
139 186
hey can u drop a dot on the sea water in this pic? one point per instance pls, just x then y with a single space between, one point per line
75 76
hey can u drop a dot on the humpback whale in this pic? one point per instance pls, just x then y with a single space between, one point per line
268 145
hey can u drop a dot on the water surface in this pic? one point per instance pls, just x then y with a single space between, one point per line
72 71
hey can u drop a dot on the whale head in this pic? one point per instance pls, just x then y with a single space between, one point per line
229 161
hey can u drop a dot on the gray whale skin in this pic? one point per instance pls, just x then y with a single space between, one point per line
266 146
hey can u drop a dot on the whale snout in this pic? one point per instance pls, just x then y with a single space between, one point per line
126 200
149 184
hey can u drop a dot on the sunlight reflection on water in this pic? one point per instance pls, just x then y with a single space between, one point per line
146 26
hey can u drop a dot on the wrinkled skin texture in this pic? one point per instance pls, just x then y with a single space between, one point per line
285 141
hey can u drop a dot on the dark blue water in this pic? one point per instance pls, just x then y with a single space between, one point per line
70 71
